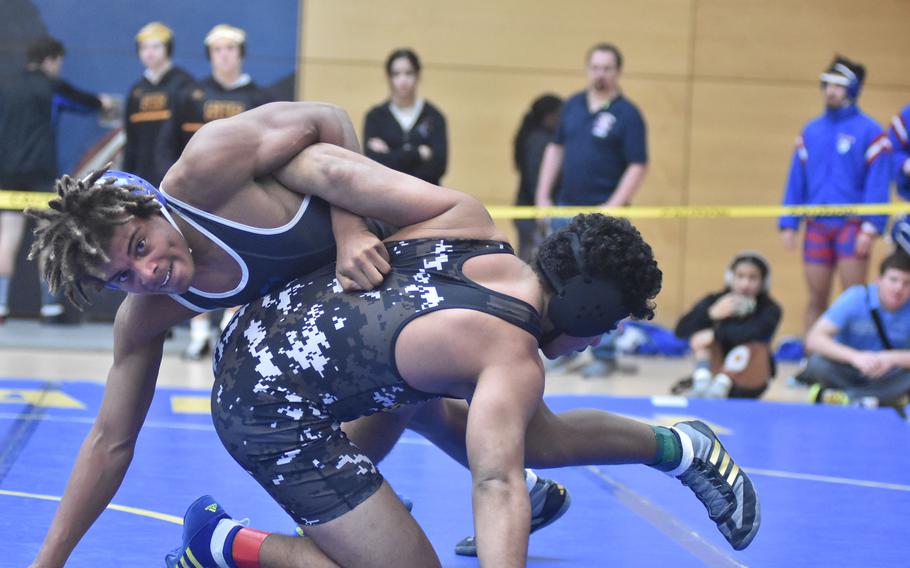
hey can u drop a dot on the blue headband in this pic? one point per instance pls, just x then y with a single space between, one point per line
840 74
122 179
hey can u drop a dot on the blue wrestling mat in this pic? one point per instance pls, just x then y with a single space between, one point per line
834 485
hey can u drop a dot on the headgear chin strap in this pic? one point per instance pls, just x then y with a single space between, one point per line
582 305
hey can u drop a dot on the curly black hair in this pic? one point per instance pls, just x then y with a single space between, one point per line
613 247
71 236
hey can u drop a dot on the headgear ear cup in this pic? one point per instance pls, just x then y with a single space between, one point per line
128 179
846 73
582 305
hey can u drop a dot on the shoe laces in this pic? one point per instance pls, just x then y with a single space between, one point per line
708 485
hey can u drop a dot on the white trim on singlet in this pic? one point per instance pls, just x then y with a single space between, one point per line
248 228
189 305
244 270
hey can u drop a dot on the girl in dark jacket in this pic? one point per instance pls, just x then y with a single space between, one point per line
730 332
407 133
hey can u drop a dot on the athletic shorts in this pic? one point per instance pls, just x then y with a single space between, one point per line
826 244
300 456
288 373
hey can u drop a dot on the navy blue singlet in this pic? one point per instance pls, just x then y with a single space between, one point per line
268 258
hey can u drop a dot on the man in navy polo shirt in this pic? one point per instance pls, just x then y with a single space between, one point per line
600 142
601 150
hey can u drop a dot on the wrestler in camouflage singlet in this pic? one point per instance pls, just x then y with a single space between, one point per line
294 365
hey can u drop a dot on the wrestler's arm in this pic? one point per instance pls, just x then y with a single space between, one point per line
507 395
369 189
225 155
105 455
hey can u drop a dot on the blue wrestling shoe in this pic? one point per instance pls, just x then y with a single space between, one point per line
549 501
202 524
723 488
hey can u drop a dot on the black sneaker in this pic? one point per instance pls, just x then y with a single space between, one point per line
549 501
723 488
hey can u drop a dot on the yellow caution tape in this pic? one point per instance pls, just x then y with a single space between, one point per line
703 211
18 200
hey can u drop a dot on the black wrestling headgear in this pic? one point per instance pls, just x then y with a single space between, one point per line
582 305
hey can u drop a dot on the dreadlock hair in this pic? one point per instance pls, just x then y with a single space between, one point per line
71 236
611 247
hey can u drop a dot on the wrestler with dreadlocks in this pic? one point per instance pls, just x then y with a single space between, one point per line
232 222
458 316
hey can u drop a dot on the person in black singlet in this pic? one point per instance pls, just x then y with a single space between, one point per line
232 223
468 329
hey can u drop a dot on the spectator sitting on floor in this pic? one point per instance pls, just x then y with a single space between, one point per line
861 344
730 332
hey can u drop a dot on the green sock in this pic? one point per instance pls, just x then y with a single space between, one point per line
669 449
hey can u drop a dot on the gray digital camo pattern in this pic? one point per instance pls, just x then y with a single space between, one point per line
292 366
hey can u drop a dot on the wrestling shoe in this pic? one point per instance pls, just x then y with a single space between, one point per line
200 524
723 488
549 501
821 395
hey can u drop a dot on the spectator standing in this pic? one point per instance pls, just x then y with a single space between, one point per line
151 101
600 148
29 108
900 146
730 332
900 159
227 92
407 133
841 157
536 131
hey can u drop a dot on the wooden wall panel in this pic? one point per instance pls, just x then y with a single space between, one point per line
509 34
795 41
484 110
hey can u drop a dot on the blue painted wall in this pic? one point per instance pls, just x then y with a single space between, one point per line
101 54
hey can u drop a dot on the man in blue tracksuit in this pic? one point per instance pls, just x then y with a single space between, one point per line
900 165
841 157
900 146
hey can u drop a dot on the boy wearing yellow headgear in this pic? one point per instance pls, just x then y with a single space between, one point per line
226 92
151 102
